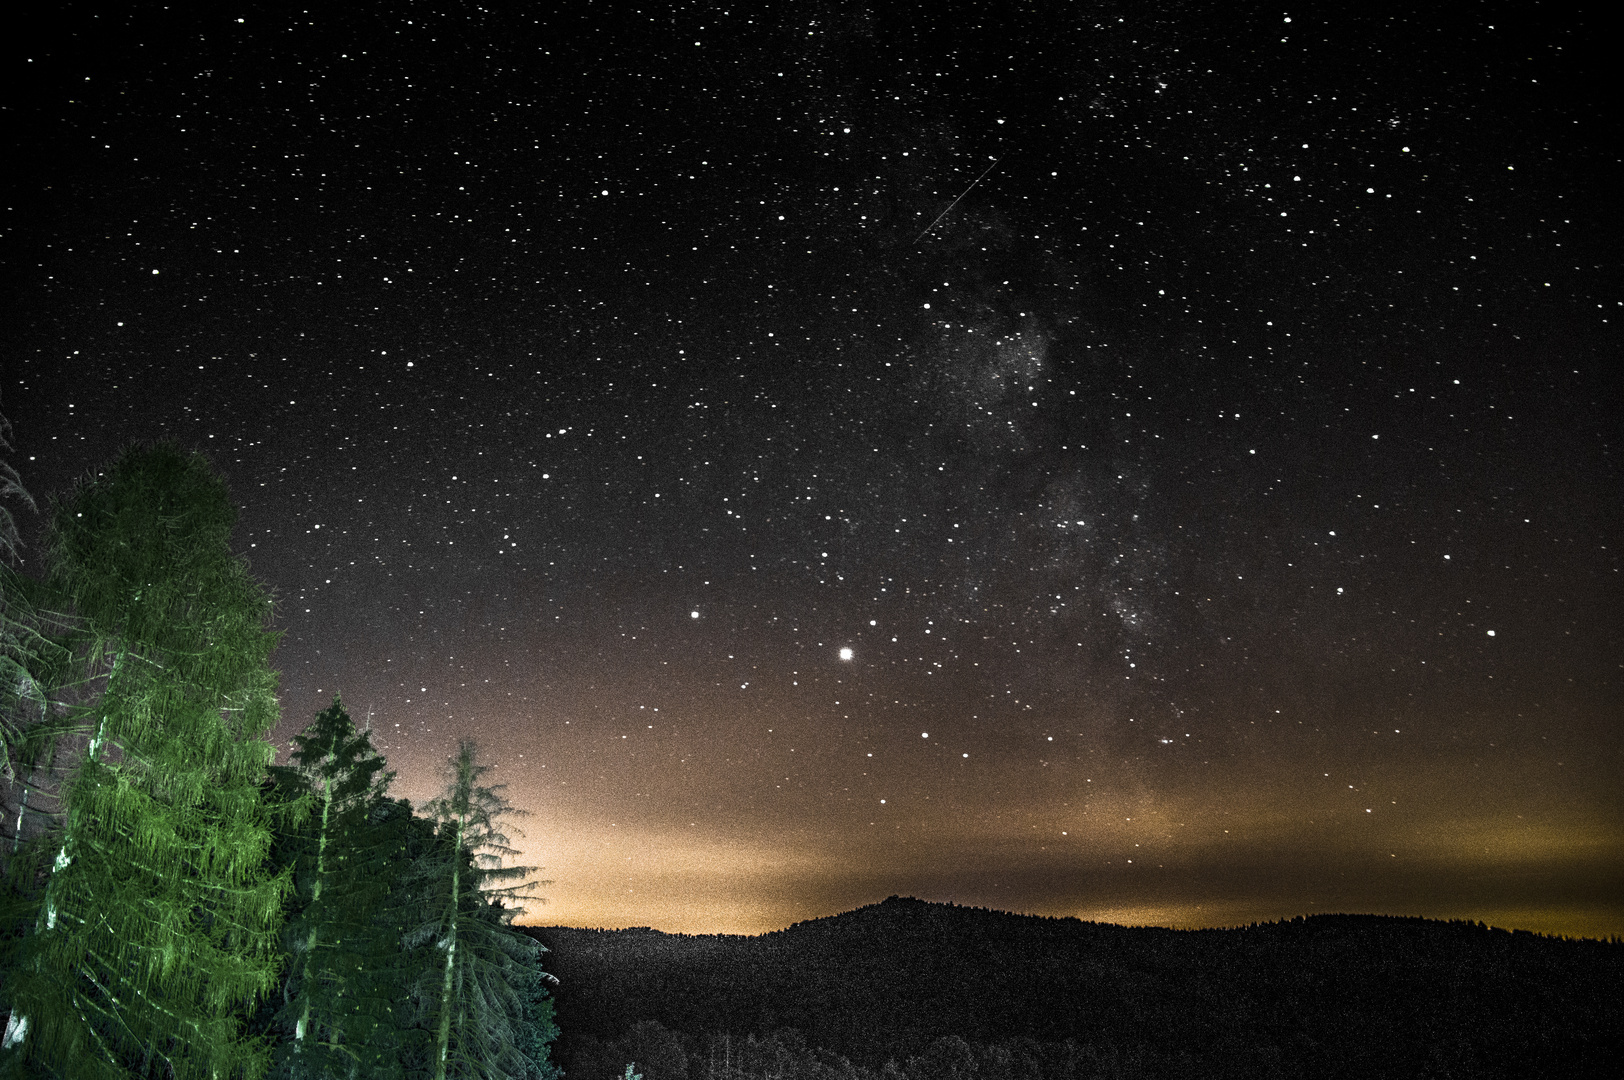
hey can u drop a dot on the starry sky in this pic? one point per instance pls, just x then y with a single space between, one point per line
1149 462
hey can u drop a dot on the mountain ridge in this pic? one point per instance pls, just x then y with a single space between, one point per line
885 981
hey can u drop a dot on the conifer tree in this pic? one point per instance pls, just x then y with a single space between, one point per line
157 923
473 999
338 997
417 855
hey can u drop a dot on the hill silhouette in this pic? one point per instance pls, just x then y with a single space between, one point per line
966 992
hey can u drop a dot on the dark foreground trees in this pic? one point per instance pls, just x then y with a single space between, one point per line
338 1011
155 918
401 958
182 908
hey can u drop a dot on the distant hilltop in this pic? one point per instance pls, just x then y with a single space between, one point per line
1350 995
909 910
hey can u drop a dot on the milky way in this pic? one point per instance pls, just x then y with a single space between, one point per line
1198 426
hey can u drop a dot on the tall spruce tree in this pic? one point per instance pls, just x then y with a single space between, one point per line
343 946
157 922
473 1000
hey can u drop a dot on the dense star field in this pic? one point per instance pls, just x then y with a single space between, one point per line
1148 463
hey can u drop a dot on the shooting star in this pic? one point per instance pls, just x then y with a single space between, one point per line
955 202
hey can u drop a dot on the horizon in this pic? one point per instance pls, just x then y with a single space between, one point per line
1554 934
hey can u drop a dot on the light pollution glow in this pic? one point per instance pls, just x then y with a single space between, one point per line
1218 855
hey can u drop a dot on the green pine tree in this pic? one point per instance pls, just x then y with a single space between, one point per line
156 924
473 999
339 1001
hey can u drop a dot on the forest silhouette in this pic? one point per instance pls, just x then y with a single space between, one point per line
917 990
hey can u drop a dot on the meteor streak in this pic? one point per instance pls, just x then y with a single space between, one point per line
955 202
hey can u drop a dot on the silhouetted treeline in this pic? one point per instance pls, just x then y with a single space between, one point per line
908 989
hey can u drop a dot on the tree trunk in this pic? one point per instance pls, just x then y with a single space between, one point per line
450 954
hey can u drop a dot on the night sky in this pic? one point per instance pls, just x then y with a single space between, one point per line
1144 462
